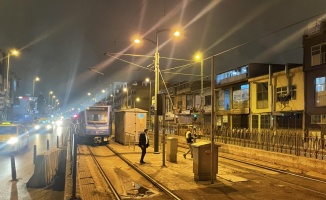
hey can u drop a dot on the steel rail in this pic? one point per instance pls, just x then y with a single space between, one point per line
109 183
281 172
153 181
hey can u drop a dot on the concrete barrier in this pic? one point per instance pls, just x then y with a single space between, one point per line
46 166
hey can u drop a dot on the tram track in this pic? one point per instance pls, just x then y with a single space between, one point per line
97 157
303 182
260 181
106 178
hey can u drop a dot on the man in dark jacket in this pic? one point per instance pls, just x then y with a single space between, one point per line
143 144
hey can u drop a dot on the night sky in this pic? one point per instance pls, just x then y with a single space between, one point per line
59 40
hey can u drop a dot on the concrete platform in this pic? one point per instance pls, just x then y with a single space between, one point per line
179 177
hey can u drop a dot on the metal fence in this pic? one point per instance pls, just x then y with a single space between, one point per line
293 142
288 141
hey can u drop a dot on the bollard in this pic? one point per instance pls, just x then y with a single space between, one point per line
57 141
62 144
34 157
13 167
74 170
47 145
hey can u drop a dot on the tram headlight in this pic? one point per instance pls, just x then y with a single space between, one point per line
13 140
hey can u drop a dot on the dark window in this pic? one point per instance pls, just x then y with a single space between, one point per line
265 121
254 121
189 102
282 91
290 121
208 100
240 121
262 95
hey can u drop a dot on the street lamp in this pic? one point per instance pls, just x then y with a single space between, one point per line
136 100
126 90
199 57
53 97
15 53
56 103
35 80
113 101
157 70
50 93
106 96
149 100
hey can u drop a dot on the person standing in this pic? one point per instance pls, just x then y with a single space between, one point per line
190 140
143 144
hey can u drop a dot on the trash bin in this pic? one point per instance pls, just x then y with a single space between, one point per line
172 149
202 160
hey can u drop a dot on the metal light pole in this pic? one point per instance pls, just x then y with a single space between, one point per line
34 80
53 97
199 56
126 90
56 104
201 84
7 87
50 93
157 83
149 100
113 101
7 97
106 96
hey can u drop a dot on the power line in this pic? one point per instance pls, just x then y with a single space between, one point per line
264 36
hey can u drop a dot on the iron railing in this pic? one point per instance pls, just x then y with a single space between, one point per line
287 141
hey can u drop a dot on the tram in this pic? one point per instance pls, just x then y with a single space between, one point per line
95 125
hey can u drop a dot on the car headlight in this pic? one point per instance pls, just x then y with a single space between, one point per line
37 127
58 122
48 126
13 140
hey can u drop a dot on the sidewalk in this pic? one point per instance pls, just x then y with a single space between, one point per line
178 176
230 183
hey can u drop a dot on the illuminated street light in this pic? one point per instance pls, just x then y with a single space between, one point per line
157 70
136 100
35 80
53 97
50 93
113 101
126 90
56 103
106 96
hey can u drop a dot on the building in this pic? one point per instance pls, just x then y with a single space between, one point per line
314 63
277 99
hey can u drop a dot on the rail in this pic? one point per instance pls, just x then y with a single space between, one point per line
130 135
287 141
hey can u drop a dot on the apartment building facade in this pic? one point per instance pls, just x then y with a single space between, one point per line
314 65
